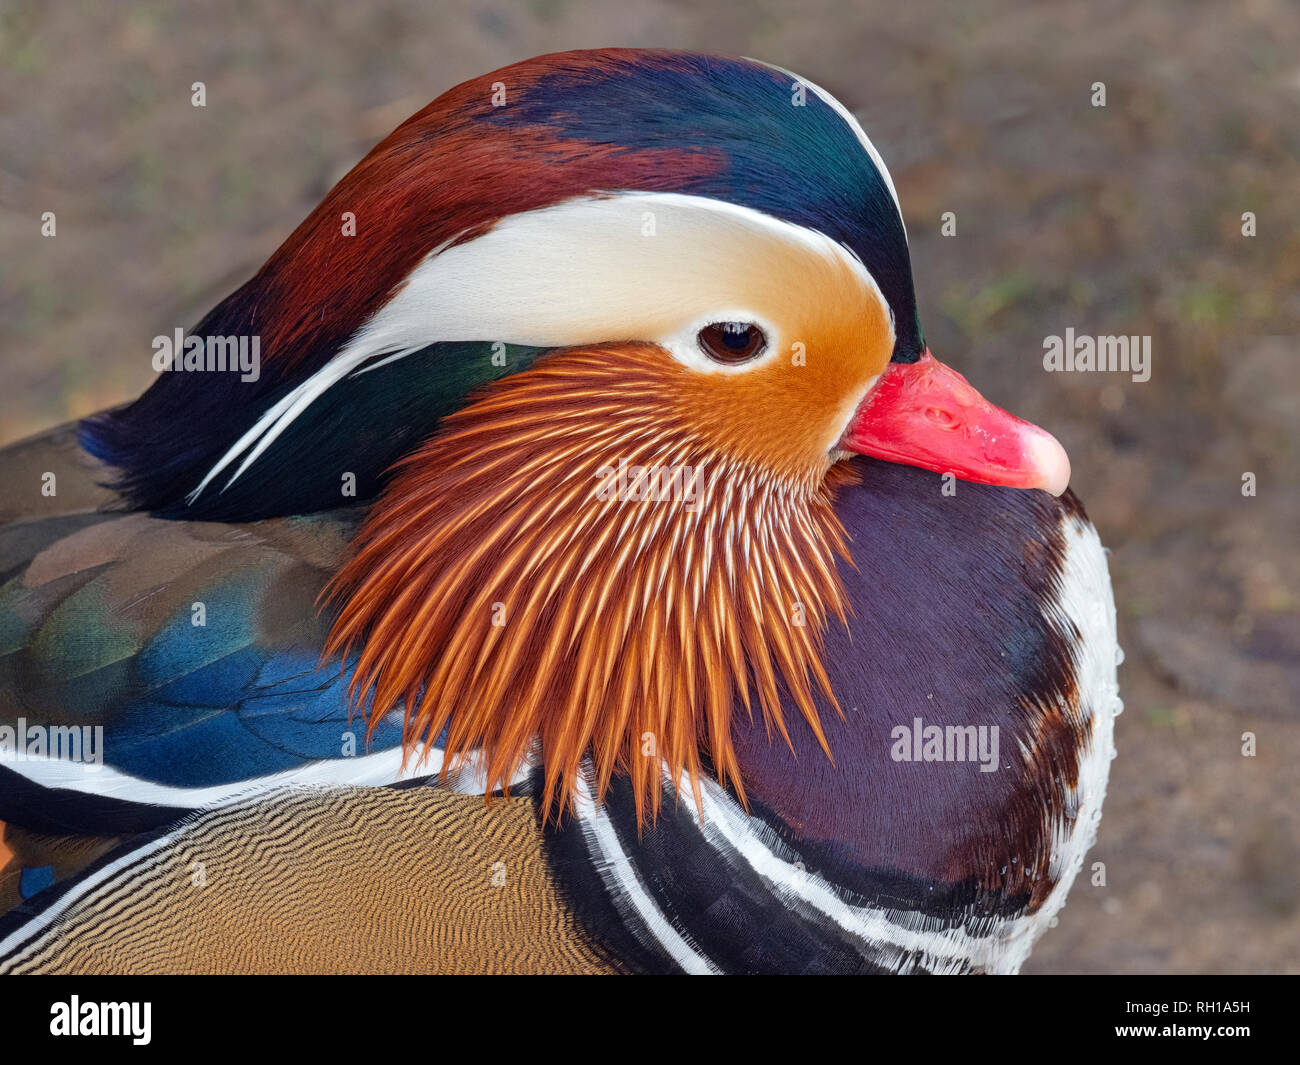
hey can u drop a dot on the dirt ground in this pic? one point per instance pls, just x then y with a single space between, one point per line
1124 219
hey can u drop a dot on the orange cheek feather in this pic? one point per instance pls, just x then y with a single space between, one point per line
495 593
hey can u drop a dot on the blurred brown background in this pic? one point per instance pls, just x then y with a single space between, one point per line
1117 220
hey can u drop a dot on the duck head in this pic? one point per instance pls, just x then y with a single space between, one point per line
595 332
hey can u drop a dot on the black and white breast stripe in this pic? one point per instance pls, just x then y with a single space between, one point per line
731 894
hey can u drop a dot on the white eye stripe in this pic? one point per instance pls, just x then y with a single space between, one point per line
634 266
637 266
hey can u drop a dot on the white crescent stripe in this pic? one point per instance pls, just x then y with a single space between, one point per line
373 770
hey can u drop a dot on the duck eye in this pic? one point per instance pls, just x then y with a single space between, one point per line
732 342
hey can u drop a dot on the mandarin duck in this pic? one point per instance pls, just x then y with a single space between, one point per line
597 573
